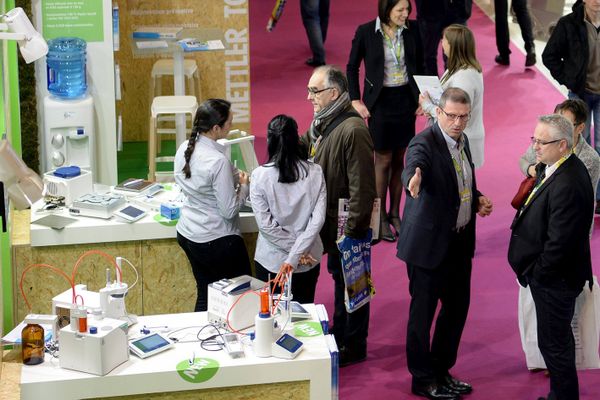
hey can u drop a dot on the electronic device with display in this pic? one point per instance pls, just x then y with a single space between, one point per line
149 345
287 347
130 213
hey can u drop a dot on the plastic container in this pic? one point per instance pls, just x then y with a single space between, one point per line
32 342
66 67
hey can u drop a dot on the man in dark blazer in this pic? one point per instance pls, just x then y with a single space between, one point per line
437 242
550 247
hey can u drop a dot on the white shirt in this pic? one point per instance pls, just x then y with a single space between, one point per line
289 216
211 205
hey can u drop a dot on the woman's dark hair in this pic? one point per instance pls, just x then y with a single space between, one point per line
384 8
210 113
285 152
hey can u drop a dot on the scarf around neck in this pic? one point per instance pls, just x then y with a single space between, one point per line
327 114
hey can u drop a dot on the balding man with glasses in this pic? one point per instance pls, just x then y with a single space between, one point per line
437 242
550 248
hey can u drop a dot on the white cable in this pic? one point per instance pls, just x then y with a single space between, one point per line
134 270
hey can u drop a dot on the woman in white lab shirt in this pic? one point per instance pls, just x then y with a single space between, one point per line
209 227
463 72
288 198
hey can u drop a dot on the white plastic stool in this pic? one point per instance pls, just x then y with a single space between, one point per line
169 105
164 67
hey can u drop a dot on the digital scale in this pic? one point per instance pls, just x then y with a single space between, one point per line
98 205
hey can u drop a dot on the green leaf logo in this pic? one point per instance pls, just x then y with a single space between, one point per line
307 329
200 371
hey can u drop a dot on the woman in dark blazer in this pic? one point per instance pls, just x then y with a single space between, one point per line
390 48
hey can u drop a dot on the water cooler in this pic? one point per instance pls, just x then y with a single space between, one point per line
69 132
68 136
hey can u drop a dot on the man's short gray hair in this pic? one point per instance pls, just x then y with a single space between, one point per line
334 77
454 95
560 127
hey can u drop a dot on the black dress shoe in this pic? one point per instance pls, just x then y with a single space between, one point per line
530 59
352 355
435 392
502 60
314 63
455 385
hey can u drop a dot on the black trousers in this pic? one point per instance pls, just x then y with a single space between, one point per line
523 18
304 284
449 284
224 257
554 308
349 329
431 33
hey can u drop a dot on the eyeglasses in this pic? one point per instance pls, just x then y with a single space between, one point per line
535 141
455 117
315 92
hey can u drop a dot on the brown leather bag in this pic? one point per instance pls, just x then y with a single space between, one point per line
524 189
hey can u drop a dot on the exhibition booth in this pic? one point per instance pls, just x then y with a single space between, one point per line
114 73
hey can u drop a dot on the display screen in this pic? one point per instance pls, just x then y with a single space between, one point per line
150 343
289 343
132 211
297 308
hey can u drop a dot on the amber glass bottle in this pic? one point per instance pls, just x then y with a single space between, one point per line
32 341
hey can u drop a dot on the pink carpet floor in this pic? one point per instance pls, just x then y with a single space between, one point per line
490 355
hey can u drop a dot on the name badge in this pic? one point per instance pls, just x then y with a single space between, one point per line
398 76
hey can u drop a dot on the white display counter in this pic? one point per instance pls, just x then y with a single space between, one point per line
159 374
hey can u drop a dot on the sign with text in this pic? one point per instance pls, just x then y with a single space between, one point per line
78 18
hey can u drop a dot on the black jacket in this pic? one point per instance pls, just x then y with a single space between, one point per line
428 220
439 9
550 237
367 45
567 52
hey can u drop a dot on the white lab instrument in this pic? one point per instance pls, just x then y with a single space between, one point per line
23 185
233 345
69 133
62 304
95 353
287 347
98 205
31 43
70 188
223 294
150 345
263 334
130 213
246 146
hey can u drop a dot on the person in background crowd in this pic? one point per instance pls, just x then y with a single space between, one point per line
464 72
390 47
437 242
340 143
288 198
549 248
315 17
572 55
208 230
503 35
433 16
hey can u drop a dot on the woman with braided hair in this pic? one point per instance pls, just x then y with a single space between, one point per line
209 227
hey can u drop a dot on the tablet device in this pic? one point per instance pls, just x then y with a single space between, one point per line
130 213
149 345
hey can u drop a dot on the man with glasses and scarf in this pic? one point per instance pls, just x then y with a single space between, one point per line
339 141
437 242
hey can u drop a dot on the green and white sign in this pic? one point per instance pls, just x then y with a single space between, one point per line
200 371
307 329
79 18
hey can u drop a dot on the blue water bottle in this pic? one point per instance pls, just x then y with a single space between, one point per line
65 67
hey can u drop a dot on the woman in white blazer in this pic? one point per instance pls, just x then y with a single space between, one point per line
463 72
